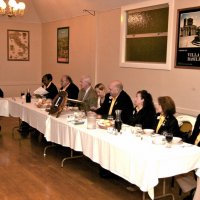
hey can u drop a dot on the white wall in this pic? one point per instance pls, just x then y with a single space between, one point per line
81 49
20 75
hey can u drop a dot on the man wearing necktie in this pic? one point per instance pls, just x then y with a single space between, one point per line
116 99
194 139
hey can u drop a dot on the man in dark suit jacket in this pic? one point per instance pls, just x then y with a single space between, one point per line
49 86
194 138
68 86
122 101
1 93
87 94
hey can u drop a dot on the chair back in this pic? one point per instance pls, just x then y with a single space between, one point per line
186 118
186 123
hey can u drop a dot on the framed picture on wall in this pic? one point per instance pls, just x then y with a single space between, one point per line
18 45
63 45
188 38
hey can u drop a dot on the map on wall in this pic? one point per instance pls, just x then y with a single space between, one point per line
18 45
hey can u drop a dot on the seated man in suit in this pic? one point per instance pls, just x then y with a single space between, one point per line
68 86
116 99
49 86
195 137
87 94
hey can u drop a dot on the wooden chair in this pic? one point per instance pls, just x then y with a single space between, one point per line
186 182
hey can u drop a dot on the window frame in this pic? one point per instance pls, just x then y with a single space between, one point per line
149 65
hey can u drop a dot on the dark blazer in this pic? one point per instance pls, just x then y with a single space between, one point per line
72 91
123 102
170 124
195 131
146 117
1 93
90 100
52 89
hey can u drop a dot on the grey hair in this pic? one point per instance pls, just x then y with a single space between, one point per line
87 79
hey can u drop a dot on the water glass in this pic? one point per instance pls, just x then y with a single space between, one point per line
138 129
110 118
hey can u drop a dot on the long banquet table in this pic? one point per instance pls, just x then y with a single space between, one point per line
4 107
135 159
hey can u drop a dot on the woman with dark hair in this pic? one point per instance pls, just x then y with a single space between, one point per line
166 120
144 112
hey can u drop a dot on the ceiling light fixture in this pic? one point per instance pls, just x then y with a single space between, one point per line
12 8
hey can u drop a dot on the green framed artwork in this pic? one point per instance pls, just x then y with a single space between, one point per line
63 45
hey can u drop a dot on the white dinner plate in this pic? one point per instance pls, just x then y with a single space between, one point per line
176 140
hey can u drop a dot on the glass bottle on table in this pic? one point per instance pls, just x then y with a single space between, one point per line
28 96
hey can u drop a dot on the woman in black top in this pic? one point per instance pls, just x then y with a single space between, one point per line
144 112
165 118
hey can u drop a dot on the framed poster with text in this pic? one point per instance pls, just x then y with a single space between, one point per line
188 39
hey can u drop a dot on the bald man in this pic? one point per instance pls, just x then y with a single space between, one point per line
68 85
87 94
116 99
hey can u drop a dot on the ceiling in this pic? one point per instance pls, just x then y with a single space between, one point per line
52 10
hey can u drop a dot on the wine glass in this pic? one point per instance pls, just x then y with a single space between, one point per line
138 129
169 138
110 118
22 94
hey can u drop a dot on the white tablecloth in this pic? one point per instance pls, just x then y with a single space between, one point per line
4 111
138 161
29 113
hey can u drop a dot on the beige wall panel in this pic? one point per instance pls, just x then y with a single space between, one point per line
20 75
81 49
